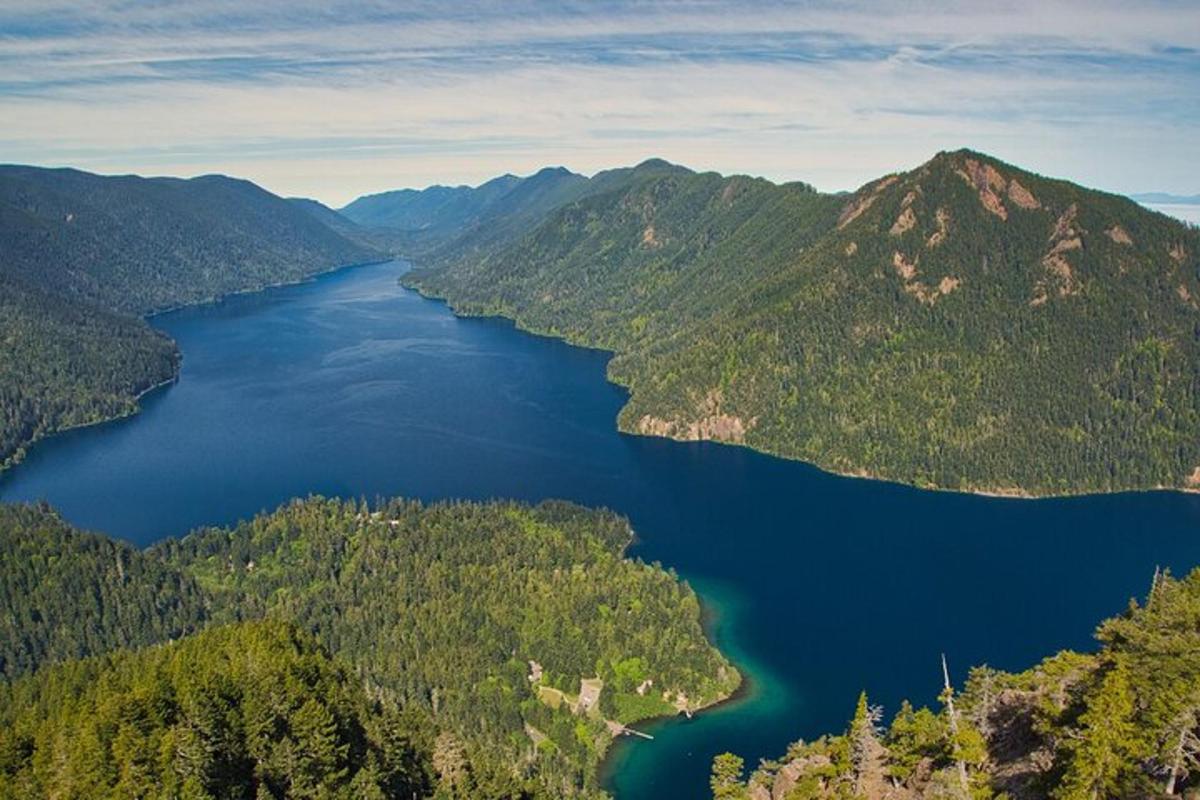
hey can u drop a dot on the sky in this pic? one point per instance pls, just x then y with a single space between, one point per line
336 99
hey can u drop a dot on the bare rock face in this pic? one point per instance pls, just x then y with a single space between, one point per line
905 222
716 427
760 792
942 217
988 181
904 268
907 270
1022 196
1119 235
948 284
711 424
790 774
1193 481
864 200
785 780
1066 237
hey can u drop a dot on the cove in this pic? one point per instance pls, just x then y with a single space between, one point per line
819 586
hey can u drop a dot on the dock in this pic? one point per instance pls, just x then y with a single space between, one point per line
617 729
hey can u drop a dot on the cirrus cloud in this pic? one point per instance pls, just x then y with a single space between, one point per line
333 102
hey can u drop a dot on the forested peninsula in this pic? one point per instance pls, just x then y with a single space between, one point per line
339 649
965 325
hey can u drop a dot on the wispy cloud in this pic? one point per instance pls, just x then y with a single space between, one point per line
310 98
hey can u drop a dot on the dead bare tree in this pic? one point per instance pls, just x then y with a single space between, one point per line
1186 753
948 693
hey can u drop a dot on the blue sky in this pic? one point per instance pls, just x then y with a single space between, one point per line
332 100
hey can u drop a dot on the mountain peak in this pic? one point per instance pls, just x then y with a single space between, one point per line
549 171
659 164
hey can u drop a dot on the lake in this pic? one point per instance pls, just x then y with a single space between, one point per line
818 585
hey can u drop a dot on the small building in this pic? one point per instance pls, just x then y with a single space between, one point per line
589 695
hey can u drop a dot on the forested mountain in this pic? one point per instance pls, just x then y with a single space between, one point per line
526 205
382 241
143 244
1120 723
443 221
964 325
664 246
78 250
439 208
519 635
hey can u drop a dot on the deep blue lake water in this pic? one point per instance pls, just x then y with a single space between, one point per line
820 585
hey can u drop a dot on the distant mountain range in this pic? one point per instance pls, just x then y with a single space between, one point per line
1182 207
1167 199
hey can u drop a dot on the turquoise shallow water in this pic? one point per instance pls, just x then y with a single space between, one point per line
821 585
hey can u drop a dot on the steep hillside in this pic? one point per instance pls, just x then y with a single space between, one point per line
437 208
64 364
1120 723
525 204
142 244
444 223
657 247
964 325
77 250
487 620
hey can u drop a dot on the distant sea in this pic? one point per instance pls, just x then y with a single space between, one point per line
1188 212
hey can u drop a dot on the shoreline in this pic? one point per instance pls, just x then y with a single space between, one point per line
996 493
1010 493
609 763
135 399
19 457
718 616
311 278
15 461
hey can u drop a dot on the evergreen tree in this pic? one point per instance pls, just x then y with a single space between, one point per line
450 762
1104 754
913 737
726 780
319 748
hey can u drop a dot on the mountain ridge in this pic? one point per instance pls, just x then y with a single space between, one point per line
964 325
